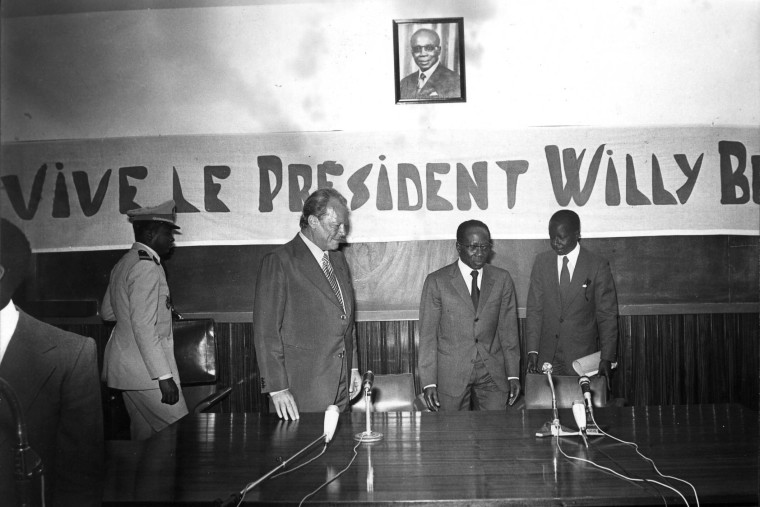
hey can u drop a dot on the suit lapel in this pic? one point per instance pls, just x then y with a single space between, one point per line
344 280
580 273
551 272
486 284
27 363
312 271
457 281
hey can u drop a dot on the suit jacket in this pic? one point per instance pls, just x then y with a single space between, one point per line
585 323
443 84
55 377
141 347
304 340
452 332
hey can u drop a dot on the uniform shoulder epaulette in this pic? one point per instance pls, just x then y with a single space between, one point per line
145 256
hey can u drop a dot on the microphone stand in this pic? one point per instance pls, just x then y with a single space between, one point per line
553 427
26 463
368 435
592 428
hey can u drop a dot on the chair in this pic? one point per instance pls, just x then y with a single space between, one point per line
195 352
538 393
390 393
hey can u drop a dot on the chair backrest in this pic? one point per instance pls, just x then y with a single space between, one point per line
538 393
195 352
390 393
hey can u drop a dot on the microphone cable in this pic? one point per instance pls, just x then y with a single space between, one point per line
650 461
647 486
285 472
356 453
618 474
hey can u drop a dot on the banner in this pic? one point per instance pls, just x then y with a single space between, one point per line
417 185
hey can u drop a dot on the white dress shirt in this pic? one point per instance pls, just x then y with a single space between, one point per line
8 322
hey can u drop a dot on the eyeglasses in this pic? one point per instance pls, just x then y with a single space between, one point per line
483 247
427 47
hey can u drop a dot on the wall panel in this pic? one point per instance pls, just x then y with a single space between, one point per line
663 360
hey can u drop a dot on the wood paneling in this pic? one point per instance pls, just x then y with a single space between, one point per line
663 360
695 273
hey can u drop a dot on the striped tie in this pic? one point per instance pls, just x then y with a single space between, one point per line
327 268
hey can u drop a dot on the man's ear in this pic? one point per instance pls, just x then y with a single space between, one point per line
313 221
148 236
2 272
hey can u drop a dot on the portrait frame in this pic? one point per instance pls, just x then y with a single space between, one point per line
442 86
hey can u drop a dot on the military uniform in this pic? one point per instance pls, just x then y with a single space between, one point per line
141 348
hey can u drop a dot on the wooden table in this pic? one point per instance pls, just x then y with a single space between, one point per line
473 458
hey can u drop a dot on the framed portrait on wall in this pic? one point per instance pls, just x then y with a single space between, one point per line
429 60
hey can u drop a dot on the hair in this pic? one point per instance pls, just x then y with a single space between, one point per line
568 217
462 229
318 202
15 256
142 228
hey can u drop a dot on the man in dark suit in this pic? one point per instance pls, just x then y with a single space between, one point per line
54 375
303 314
469 354
433 80
572 303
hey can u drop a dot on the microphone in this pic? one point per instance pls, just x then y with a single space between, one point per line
591 427
547 369
553 427
26 463
585 384
368 435
331 422
579 413
368 380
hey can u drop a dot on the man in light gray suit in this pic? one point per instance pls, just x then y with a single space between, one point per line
139 356
469 354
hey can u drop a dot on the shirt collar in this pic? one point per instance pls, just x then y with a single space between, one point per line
317 252
572 257
467 272
429 73
8 322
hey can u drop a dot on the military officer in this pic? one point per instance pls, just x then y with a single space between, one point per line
139 357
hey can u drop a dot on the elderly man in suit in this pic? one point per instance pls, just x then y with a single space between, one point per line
303 314
139 356
572 303
433 80
469 355
54 375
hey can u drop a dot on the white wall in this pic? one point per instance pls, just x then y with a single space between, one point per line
328 65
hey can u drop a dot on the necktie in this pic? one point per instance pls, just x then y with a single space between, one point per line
564 278
475 292
328 270
421 80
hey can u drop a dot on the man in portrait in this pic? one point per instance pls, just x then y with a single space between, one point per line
433 80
